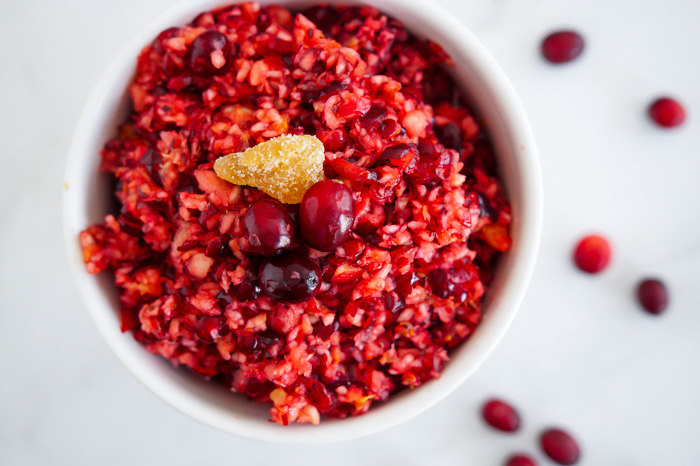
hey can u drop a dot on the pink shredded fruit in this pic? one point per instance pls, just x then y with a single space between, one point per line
592 254
667 112
501 415
560 447
220 267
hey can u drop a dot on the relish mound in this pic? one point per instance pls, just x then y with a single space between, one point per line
430 220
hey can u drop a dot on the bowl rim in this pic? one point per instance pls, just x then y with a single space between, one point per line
396 411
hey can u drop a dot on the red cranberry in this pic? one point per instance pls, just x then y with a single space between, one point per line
208 328
592 254
520 460
667 112
208 54
652 295
501 415
560 446
269 227
319 395
249 289
450 136
562 46
440 283
326 215
290 278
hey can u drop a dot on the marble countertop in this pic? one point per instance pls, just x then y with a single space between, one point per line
580 354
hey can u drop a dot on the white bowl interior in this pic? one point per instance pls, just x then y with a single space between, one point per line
88 199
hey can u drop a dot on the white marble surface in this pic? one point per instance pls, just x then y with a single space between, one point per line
580 354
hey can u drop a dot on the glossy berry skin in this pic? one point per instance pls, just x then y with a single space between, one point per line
560 446
268 227
520 460
326 215
592 254
667 112
652 295
562 46
501 415
208 54
290 278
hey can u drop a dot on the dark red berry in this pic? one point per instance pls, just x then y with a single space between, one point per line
208 328
560 446
667 112
652 295
269 227
562 46
520 460
592 254
450 136
290 278
326 215
501 415
440 283
208 54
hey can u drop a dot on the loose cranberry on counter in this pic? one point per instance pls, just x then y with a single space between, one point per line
501 415
562 46
667 112
208 54
652 295
269 227
520 460
560 446
592 254
326 215
290 278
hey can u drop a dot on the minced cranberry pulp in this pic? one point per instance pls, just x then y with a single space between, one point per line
224 280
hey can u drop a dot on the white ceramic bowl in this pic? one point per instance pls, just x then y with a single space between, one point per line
88 196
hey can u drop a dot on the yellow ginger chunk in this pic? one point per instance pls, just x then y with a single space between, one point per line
283 167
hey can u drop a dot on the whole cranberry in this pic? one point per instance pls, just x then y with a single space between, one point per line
290 278
667 112
501 415
592 254
208 54
560 446
652 295
268 227
520 460
562 46
326 215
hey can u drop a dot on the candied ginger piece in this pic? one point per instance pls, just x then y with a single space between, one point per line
284 167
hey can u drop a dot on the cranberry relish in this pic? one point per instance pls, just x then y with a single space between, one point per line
431 218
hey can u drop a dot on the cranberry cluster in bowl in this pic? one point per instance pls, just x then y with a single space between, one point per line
201 281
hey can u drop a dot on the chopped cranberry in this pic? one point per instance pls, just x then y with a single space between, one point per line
208 53
562 46
151 160
269 227
249 290
326 215
653 295
520 460
440 283
592 254
290 278
406 282
319 395
667 112
450 136
323 16
324 332
501 415
248 345
208 328
485 207
560 446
